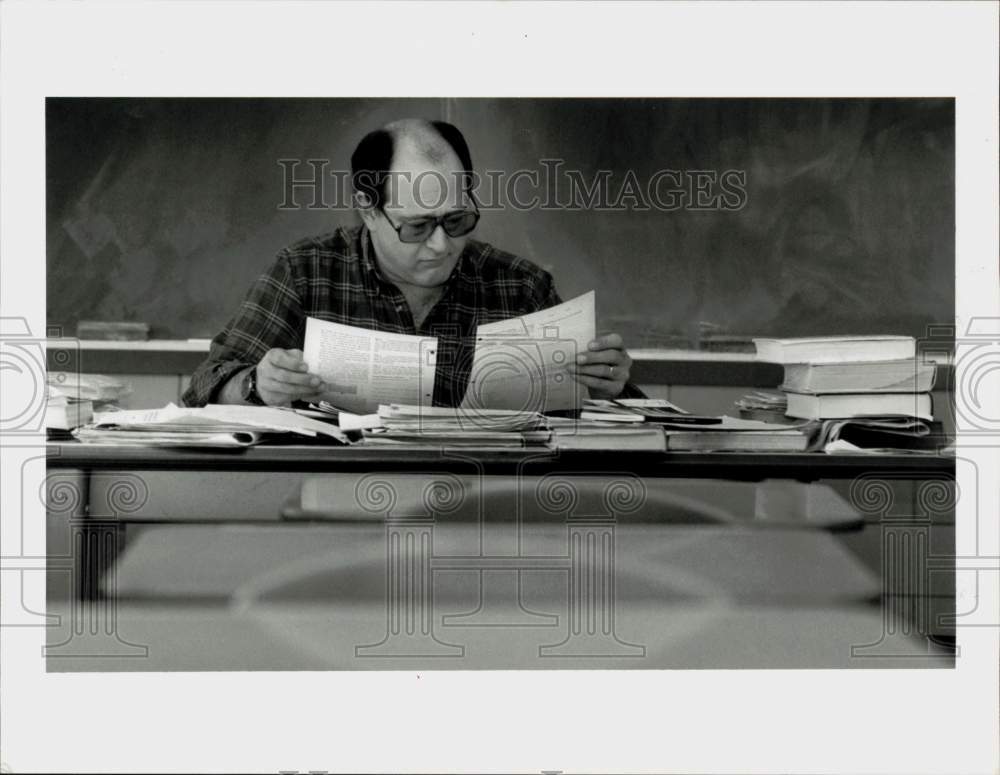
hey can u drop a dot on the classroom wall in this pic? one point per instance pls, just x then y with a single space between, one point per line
164 210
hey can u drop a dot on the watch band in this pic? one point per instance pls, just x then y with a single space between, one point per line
250 393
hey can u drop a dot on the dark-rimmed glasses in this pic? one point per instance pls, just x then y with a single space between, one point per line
455 224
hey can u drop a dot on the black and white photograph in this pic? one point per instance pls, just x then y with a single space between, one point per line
397 385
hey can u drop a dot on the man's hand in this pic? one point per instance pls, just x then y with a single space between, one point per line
283 377
604 368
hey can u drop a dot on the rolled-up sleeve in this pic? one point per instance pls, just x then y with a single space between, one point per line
270 316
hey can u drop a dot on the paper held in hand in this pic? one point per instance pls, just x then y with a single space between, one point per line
364 368
523 363
520 364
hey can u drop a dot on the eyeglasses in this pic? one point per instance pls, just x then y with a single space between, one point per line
456 224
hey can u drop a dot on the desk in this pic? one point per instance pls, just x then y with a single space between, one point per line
746 466
115 497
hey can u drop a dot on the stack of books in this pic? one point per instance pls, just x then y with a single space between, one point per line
853 377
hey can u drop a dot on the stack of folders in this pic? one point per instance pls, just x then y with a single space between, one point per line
210 426
404 424
872 381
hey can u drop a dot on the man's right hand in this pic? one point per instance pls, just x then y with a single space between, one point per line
283 377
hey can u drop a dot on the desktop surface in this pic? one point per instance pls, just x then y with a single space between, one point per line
805 466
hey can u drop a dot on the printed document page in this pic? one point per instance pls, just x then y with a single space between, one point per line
523 363
364 368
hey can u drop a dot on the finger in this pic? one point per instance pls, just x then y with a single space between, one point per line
612 341
287 389
617 358
603 371
603 385
283 397
286 377
286 359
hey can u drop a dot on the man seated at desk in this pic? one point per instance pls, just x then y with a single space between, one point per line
410 268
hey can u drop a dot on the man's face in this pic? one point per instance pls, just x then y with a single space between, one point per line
418 189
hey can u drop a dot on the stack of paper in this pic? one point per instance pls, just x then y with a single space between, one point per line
63 412
214 426
98 388
613 436
72 399
769 407
408 424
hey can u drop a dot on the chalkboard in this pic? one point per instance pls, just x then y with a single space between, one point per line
814 216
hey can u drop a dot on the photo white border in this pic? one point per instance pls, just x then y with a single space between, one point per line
655 721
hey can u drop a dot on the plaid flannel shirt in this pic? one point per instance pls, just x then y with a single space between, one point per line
334 277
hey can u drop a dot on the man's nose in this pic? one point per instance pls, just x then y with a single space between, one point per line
438 241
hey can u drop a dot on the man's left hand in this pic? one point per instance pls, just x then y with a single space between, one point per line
604 368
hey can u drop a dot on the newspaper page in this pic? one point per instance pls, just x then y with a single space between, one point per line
364 368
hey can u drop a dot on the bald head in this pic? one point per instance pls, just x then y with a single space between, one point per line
420 139
401 146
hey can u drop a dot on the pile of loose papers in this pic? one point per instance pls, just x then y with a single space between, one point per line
64 412
71 398
97 388
215 425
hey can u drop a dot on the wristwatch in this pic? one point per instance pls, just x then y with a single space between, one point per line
248 389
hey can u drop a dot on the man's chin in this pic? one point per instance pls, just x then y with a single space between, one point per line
432 273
